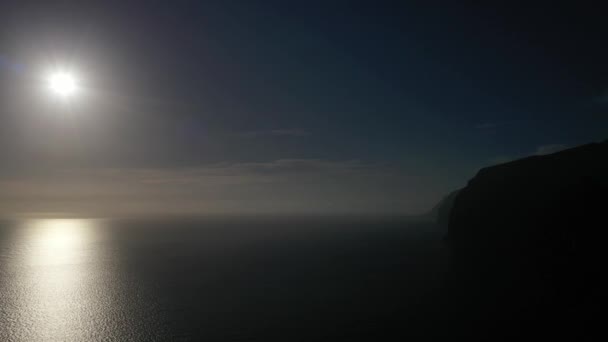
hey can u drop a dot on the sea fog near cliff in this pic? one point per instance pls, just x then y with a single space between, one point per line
221 279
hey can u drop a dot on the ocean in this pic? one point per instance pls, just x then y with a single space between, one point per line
219 279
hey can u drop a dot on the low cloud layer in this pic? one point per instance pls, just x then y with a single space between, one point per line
276 187
277 133
539 151
550 148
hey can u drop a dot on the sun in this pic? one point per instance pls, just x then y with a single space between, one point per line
63 84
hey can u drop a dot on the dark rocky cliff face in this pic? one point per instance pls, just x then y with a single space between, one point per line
441 212
514 204
528 239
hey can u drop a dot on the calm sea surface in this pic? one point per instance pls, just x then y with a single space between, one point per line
216 279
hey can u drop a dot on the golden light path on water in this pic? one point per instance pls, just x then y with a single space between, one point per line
67 280
60 282
54 288
59 241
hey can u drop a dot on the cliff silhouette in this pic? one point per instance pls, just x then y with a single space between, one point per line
440 213
527 240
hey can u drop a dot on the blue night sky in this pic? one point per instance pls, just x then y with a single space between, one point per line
287 106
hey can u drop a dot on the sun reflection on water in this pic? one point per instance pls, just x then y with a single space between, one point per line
60 241
59 287
66 280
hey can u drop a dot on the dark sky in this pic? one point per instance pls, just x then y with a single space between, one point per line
288 106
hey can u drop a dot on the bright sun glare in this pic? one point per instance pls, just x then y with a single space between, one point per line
63 84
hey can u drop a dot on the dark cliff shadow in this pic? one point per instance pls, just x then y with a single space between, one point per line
527 243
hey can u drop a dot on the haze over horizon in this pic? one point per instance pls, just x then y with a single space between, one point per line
273 107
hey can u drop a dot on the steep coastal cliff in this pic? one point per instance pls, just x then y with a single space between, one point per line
527 240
